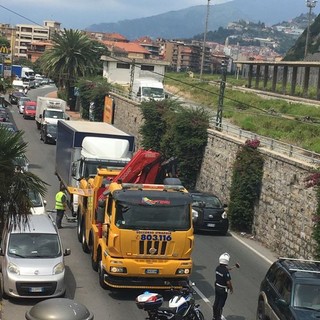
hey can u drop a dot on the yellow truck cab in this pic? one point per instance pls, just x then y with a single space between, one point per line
147 236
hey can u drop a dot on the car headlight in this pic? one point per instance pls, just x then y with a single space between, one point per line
12 268
59 268
195 214
49 135
224 215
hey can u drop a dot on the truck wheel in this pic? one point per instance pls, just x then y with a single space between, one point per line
95 263
101 274
84 244
79 228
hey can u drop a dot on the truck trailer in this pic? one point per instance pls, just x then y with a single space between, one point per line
83 146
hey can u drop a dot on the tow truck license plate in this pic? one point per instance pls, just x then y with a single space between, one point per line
211 225
36 289
152 271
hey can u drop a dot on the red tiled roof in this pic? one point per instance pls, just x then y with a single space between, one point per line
130 47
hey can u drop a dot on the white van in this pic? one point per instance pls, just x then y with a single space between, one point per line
32 264
145 89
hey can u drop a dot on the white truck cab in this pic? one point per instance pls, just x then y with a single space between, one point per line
146 89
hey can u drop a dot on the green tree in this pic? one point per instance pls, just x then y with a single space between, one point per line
176 131
93 90
14 183
73 55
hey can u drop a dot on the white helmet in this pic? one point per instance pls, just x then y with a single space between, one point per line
224 258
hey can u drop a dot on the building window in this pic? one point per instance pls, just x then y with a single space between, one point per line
123 65
147 68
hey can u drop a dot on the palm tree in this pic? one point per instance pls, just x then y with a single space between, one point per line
14 183
73 55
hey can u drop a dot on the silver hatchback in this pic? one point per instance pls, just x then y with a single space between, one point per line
32 259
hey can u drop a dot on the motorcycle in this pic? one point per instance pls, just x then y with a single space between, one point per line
181 306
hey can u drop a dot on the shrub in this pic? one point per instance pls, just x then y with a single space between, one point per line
245 186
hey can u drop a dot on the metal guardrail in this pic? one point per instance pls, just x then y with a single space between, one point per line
285 149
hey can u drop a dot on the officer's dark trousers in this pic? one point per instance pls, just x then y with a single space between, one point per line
220 299
59 217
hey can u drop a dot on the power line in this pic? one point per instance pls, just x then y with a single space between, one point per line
20 15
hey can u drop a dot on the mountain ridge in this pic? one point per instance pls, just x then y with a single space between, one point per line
186 23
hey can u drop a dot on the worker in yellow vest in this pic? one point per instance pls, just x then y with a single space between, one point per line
60 206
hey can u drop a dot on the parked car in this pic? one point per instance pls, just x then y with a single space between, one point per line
209 213
32 261
9 126
21 102
39 204
48 133
15 96
4 116
22 163
290 290
29 110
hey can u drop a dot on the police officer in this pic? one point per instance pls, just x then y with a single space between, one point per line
222 285
60 206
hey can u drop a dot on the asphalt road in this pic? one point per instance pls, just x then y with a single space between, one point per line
82 281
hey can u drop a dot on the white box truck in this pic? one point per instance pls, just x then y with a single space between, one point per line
83 146
50 110
146 89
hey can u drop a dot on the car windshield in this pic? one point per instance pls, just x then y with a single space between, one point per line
54 114
30 107
154 217
209 200
35 198
34 245
307 296
52 129
152 92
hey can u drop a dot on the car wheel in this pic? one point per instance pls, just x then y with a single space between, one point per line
45 140
261 311
224 232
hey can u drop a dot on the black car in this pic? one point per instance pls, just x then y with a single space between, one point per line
290 290
48 133
209 213
9 126
15 96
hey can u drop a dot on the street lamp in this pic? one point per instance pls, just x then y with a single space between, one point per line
310 4
204 40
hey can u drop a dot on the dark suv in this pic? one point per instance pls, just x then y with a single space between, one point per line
290 291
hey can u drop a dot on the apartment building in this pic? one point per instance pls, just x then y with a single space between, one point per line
28 33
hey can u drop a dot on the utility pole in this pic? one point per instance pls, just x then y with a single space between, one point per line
310 4
221 94
133 66
204 41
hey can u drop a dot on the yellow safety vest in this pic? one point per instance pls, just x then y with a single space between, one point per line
59 203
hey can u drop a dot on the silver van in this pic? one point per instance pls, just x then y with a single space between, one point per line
32 259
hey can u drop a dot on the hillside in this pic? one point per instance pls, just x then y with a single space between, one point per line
296 52
191 21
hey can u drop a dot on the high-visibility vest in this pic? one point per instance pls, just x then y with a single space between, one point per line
59 203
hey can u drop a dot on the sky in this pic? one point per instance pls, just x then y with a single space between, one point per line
80 14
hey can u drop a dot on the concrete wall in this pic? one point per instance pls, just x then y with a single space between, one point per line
283 217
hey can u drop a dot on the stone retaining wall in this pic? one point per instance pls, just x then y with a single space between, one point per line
283 217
